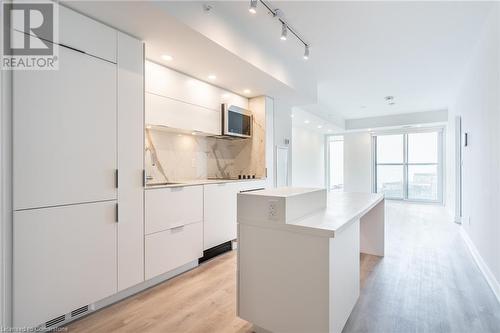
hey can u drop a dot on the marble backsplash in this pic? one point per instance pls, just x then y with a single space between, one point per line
171 156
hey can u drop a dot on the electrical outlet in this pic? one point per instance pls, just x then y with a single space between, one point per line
272 210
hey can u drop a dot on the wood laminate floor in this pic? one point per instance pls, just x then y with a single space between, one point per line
427 282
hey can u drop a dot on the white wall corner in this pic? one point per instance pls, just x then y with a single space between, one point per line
483 267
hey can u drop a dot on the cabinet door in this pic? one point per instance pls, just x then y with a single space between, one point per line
167 208
165 111
219 214
130 161
64 258
170 249
65 132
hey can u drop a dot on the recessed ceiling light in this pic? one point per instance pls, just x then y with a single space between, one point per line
292 115
247 91
212 77
167 57
306 121
320 126
193 133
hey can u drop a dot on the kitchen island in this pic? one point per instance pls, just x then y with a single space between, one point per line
298 257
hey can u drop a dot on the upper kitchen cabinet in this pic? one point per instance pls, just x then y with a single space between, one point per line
65 133
83 34
181 102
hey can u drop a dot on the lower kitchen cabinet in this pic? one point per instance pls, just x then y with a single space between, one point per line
170 249
219 214
167 208
220 211
64 258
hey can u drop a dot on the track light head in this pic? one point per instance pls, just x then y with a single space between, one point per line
306 52
284 31
253 6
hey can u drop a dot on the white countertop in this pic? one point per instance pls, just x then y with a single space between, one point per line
194 182
342 209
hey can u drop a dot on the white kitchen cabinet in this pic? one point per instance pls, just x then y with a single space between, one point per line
65 132
168 112
163 81
82 33
172 248
219 214
167 208
220 210
130 129
64 258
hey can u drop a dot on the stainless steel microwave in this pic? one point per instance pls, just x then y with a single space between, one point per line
236 121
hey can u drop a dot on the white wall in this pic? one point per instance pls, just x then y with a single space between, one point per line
357 162
478 103
309 158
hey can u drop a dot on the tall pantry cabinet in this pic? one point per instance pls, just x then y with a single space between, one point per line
78 173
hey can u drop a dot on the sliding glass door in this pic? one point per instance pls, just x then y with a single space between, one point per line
408 166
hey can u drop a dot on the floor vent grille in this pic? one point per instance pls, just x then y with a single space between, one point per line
79 311
55 321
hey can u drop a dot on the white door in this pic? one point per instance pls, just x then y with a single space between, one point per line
65 132
64 258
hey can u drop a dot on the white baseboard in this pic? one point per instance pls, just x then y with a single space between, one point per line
488 275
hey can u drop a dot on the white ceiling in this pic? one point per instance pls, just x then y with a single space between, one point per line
360 51
363 51
192 52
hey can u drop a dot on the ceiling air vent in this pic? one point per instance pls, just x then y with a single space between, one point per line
79 311
55 321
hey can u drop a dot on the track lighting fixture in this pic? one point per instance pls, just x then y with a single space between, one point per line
253 6
306 52
278 14
284 31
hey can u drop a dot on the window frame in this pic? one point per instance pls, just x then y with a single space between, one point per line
439 165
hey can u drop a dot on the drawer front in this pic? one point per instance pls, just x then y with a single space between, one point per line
168 208
170 249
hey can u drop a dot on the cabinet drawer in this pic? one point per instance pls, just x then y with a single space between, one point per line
169 249
168 208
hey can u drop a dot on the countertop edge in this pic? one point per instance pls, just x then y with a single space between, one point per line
202 182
